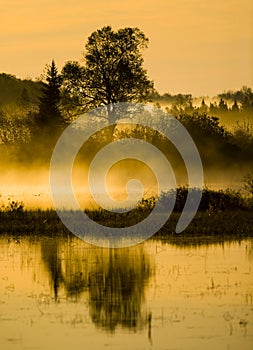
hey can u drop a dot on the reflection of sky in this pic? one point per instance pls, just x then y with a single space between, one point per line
198 296
180 270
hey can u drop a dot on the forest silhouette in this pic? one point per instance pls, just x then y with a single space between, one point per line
33 114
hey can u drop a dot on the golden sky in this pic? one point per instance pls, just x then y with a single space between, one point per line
196 46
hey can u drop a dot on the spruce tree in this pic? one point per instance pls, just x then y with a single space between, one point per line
49 114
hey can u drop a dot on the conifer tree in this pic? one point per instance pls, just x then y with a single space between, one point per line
49 113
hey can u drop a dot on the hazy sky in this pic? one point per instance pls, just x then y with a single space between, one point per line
196 46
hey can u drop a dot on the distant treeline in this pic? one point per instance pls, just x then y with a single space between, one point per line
27 93
18 95
240 101
26 132
19 92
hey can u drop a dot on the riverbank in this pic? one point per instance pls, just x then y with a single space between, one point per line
218 224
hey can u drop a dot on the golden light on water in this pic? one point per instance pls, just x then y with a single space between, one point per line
57 292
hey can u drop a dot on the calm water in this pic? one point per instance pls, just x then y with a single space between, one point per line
65 294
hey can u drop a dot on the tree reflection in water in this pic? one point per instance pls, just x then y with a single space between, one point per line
117 287
49 253
114 280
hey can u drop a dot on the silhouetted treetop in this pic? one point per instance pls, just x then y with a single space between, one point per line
113 70
49 113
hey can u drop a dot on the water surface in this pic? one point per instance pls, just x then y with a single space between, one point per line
64 293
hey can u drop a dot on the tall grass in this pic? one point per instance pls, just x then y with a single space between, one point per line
221 213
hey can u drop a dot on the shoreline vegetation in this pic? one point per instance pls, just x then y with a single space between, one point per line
222 215
33 115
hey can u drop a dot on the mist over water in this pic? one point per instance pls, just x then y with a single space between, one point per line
31 185
24 170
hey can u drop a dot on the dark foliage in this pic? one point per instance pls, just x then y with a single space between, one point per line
113 70
49 114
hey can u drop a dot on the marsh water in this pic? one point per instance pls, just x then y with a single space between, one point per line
62 293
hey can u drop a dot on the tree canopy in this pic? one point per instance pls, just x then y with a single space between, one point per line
113 70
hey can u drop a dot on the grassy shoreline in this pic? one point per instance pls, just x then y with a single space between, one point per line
223 214
215 223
